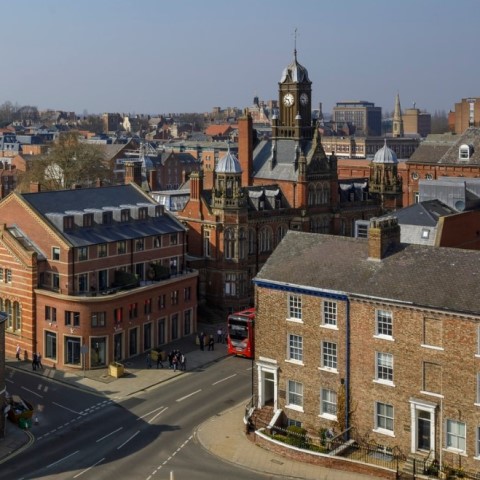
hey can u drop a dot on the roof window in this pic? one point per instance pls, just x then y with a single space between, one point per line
465 152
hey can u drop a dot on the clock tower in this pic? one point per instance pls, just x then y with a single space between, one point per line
295 101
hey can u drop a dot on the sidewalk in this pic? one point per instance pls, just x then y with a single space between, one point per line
223 435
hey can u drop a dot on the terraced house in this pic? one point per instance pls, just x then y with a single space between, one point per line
88 276
373 338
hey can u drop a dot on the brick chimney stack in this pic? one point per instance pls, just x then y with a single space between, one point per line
245 147
383 237
35 187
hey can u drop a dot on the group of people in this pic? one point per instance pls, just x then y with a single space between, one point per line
36 358
209 340
176 360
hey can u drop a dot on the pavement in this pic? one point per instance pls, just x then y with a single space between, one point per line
224 435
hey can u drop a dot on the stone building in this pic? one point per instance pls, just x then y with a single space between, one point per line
88 276
373 338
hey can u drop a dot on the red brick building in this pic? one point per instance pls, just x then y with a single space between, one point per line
240 209
375 336
91 276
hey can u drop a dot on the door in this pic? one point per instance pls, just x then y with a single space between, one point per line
423 430
118 347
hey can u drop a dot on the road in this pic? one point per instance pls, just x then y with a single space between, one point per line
145 436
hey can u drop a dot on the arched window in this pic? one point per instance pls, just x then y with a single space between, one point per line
265 239
17 316
252 241
319 195
9 312
229 244
281 231
206 243
311 195
326 193
242 244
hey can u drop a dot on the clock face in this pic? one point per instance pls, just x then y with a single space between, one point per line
303 98
288 100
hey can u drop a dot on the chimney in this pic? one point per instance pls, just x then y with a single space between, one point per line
383 237
245 147
35 187
196 185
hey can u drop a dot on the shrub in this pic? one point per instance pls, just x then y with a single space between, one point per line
297 436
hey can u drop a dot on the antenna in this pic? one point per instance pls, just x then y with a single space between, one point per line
295 34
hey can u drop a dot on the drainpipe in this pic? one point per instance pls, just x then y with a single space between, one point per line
347 369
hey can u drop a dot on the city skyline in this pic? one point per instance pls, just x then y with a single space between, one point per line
156 57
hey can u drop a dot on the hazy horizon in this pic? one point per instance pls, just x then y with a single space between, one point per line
149 57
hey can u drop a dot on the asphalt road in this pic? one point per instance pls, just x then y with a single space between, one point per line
146 436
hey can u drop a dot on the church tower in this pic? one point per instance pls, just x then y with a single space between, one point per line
397 124
295 103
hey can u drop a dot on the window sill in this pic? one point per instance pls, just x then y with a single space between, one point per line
432 394
432 347
329 327
384 382
456 451
297 408
328 416
294 362
295 320
384 337
329 370
382 431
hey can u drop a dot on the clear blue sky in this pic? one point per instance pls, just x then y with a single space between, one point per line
157 56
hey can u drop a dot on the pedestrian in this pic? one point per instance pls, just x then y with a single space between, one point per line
159 360
183 362
211 343
17 353
224 336
148 360
34 361
39 361
201 340
175 362
170 358
219 335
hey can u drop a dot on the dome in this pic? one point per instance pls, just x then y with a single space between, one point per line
385 155
228 164
295 72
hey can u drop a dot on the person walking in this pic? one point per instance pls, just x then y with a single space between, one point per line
34 361
211 343
18 352
201 340
149 360
219 335
175 362
159 360
183 362
39 361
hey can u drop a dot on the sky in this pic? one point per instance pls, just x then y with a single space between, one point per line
174 56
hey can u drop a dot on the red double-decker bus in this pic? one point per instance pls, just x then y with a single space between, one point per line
241 333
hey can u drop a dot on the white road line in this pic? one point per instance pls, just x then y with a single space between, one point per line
62 459
111 433
223 379
34 393
9 381
124 443
66 408
159 413
87 469
149 413
189 395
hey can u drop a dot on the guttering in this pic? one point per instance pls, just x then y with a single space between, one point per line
325 293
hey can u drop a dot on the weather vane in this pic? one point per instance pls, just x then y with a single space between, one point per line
295 34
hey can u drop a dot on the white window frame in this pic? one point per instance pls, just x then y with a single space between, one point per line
295 307
295 395
329 313
384 415
455 439
383 323
477 443
295 348
55 253
384 367
328 404
329 356
477 396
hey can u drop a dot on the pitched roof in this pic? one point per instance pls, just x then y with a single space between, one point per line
417 275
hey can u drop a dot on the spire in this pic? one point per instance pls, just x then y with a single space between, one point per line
397 124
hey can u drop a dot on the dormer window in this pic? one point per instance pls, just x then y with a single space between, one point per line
107 218
88 220
125 215
465 152
68 222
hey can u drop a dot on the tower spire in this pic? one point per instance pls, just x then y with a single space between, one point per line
397 124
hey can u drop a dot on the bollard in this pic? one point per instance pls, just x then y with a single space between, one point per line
36 420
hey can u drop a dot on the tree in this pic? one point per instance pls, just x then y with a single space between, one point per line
439 122
70 162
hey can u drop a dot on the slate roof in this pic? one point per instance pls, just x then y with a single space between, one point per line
423 213
284 166
430 277
96 198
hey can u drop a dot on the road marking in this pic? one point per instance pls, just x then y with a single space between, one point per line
34 393
62 459
187 396
87 469
124 443
159 413
66 408
9 381
223 379
111 433
149 413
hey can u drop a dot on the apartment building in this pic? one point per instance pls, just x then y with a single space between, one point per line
374 338
88 276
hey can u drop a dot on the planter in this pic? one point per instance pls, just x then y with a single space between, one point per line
116 369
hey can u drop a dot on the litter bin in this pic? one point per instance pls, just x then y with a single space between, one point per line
24 423
116 369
